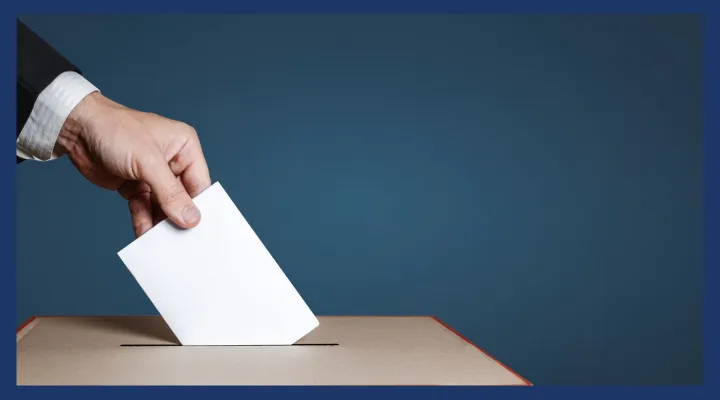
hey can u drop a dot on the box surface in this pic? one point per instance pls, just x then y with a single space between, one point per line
341 351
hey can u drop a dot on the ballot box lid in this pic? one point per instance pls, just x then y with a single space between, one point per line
141 350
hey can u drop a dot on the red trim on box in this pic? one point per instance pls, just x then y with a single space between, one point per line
26 323
458 334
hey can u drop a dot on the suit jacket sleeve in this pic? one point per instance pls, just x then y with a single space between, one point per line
38 64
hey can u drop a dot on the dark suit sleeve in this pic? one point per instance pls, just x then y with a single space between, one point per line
38 64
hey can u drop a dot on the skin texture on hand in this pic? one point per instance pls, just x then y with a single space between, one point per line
155 163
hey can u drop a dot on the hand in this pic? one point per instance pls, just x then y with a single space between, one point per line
155 163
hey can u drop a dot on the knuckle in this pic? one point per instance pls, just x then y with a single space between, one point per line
195 187
189 130
137 202
181 159
139 225
134 207
174 193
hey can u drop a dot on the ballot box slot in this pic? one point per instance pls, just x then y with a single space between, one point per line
263 345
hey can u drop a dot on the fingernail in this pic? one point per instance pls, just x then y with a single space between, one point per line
191 215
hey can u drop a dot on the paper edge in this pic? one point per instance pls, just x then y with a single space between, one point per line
311 327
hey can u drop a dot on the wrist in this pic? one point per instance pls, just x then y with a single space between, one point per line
78 120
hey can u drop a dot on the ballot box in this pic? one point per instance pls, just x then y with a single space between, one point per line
142 350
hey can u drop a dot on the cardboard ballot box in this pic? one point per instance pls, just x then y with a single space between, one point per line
341 351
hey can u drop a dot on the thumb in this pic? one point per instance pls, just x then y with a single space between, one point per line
171 195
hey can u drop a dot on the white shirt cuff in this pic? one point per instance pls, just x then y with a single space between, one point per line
52 107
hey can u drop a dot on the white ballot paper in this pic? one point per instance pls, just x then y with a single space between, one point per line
217 284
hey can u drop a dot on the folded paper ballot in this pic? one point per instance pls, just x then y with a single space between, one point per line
217 284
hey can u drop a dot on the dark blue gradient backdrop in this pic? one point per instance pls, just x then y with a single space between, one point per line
534 181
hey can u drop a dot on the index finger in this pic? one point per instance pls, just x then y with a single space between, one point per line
191 167
196 178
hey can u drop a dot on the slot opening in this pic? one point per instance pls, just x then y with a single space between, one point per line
224 345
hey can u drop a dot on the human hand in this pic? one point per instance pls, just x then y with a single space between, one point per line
155 163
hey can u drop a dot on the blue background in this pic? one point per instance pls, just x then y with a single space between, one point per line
536 182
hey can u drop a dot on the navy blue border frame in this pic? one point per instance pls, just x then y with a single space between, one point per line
711 314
